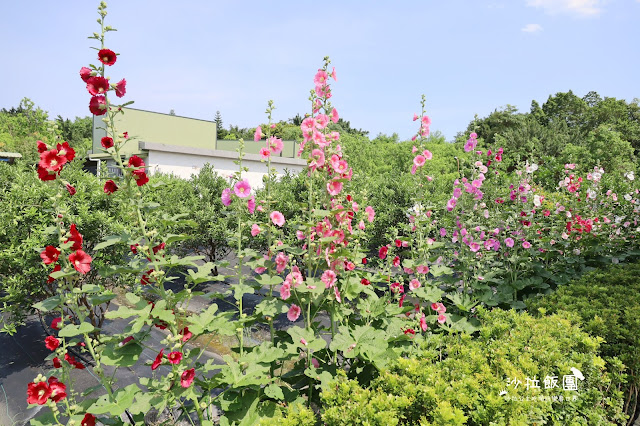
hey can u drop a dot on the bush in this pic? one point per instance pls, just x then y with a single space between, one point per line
458 379
608 301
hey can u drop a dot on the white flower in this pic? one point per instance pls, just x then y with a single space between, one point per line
630 175
531 168
536 201
627 197
591 194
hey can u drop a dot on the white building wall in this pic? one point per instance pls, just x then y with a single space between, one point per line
186 164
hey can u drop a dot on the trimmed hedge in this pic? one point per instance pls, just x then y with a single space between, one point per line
459 379
608 303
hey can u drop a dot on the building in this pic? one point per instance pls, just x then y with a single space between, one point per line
181 146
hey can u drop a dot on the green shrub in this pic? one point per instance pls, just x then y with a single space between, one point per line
458 379
608 302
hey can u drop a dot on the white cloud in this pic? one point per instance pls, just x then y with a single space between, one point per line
580 8
531 28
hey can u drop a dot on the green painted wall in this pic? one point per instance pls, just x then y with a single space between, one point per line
155 127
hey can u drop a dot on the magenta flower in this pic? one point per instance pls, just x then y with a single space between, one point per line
242 189
451 204
370 213
255 230
277 218
474 247
265 153
226 196
275 145
121 88
85 73
509 242
187 378
251 205
294 313
423 323
281 262
526 244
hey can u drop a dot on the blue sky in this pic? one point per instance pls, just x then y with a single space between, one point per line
200 56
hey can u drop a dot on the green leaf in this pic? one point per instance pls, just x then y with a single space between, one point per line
48 304
274 391
46 419
125 356
75 330
109 241
122 399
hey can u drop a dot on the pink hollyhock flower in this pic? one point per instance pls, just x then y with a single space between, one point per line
509 242
251 205
334 187
255 230
423 323
300 235
294 313
121 88
396 288
81 261
329 278
361 225
242 189
158 360
427 154
396 261
226 196
98 105
442 318
277 218
258 134
186 379
336 292
443 232
322 120
107 57
526 244
317 159
419 160
334 115
422 269
333 74
106 142
50 255
110 187
320 79
85 73
457 192
474 247
97 85
174 357
275 145
281 262
413 284
285 291
415 117
451 204
370 213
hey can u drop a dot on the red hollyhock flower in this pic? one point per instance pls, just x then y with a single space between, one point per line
365 281
106 142
50 279
71 360
97 85
134 248
81 261
71 189
146 277
396 261
42 147
107 57
136 161
85 73
158 360
44 174
55 323
121 88
88 420
159 247
174 357
66 151
98 105
38 393
51 343
110 187
58 389
187 378
76 237
141 178
382 253
52 161
186 334
57 363
50 255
